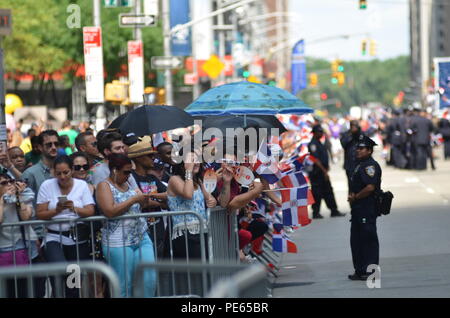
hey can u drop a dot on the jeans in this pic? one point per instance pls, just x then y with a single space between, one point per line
125 265
56 252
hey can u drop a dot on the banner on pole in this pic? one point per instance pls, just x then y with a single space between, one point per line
93 64
136 71
181 40
442 80
299 78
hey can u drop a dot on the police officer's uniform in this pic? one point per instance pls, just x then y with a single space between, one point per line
320 186
363 235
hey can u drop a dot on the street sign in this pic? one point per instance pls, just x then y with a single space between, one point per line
93 64
167 62
118 3
213 67
5 22
128 20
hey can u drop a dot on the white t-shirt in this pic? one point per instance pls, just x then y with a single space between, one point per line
49 193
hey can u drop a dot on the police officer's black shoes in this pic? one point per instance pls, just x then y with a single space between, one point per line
358 277
337 213
317 216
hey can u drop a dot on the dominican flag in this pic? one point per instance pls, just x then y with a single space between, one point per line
266 165
294 180
260 209
295 206
281 242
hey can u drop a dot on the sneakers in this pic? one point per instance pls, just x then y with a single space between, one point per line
249 260
355 276
337 213
317 216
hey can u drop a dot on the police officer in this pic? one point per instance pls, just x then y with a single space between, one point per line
422 127
349 141
320 181
396 141
365 182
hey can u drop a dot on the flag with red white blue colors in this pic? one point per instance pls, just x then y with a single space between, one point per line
295 206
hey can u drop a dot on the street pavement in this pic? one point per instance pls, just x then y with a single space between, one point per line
414 242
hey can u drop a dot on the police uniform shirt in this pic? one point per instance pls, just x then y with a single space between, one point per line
318 150
367 172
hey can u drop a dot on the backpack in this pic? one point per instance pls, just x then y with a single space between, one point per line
384 202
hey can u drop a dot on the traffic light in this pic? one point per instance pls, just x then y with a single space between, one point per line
364 47
334 78
340 67
313 79
323 96
362 4
373 48
334 66
340 78
245 74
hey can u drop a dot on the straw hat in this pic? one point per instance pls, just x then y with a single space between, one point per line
141 148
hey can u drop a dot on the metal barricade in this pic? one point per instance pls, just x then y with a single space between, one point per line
223 236
268 257
58 272
95 250
251 281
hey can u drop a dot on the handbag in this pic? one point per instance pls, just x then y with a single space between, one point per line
384 202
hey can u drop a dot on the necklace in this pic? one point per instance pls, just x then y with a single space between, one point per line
122 188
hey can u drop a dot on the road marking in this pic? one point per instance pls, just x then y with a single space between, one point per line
412 180
289 267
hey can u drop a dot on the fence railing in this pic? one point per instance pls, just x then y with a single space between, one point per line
193 280
58 272
220 247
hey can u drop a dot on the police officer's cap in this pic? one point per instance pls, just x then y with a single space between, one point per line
395 112
366 142
317 128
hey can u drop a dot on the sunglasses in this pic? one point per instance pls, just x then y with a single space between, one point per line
50 144
6 182
94 144
79 167
126 172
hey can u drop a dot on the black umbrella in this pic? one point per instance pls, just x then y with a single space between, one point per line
147 120
117 121
255 121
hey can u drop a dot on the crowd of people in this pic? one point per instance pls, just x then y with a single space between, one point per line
113 175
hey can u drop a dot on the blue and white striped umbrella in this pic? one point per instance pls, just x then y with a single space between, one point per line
242 98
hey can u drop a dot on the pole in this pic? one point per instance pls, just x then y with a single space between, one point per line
196 86
3 134
137 30
167 50
220 21
279 35
97 13
100 115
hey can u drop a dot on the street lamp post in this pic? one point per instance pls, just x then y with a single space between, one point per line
167 50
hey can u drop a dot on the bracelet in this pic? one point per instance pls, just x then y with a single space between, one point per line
188 175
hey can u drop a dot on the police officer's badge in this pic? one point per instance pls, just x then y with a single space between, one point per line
313 148
370 170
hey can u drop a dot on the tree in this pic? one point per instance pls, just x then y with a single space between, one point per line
371 81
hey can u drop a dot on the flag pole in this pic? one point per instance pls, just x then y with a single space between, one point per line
281 189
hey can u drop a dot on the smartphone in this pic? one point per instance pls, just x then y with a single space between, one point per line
62 199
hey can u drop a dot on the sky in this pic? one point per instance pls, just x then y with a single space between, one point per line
385 21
